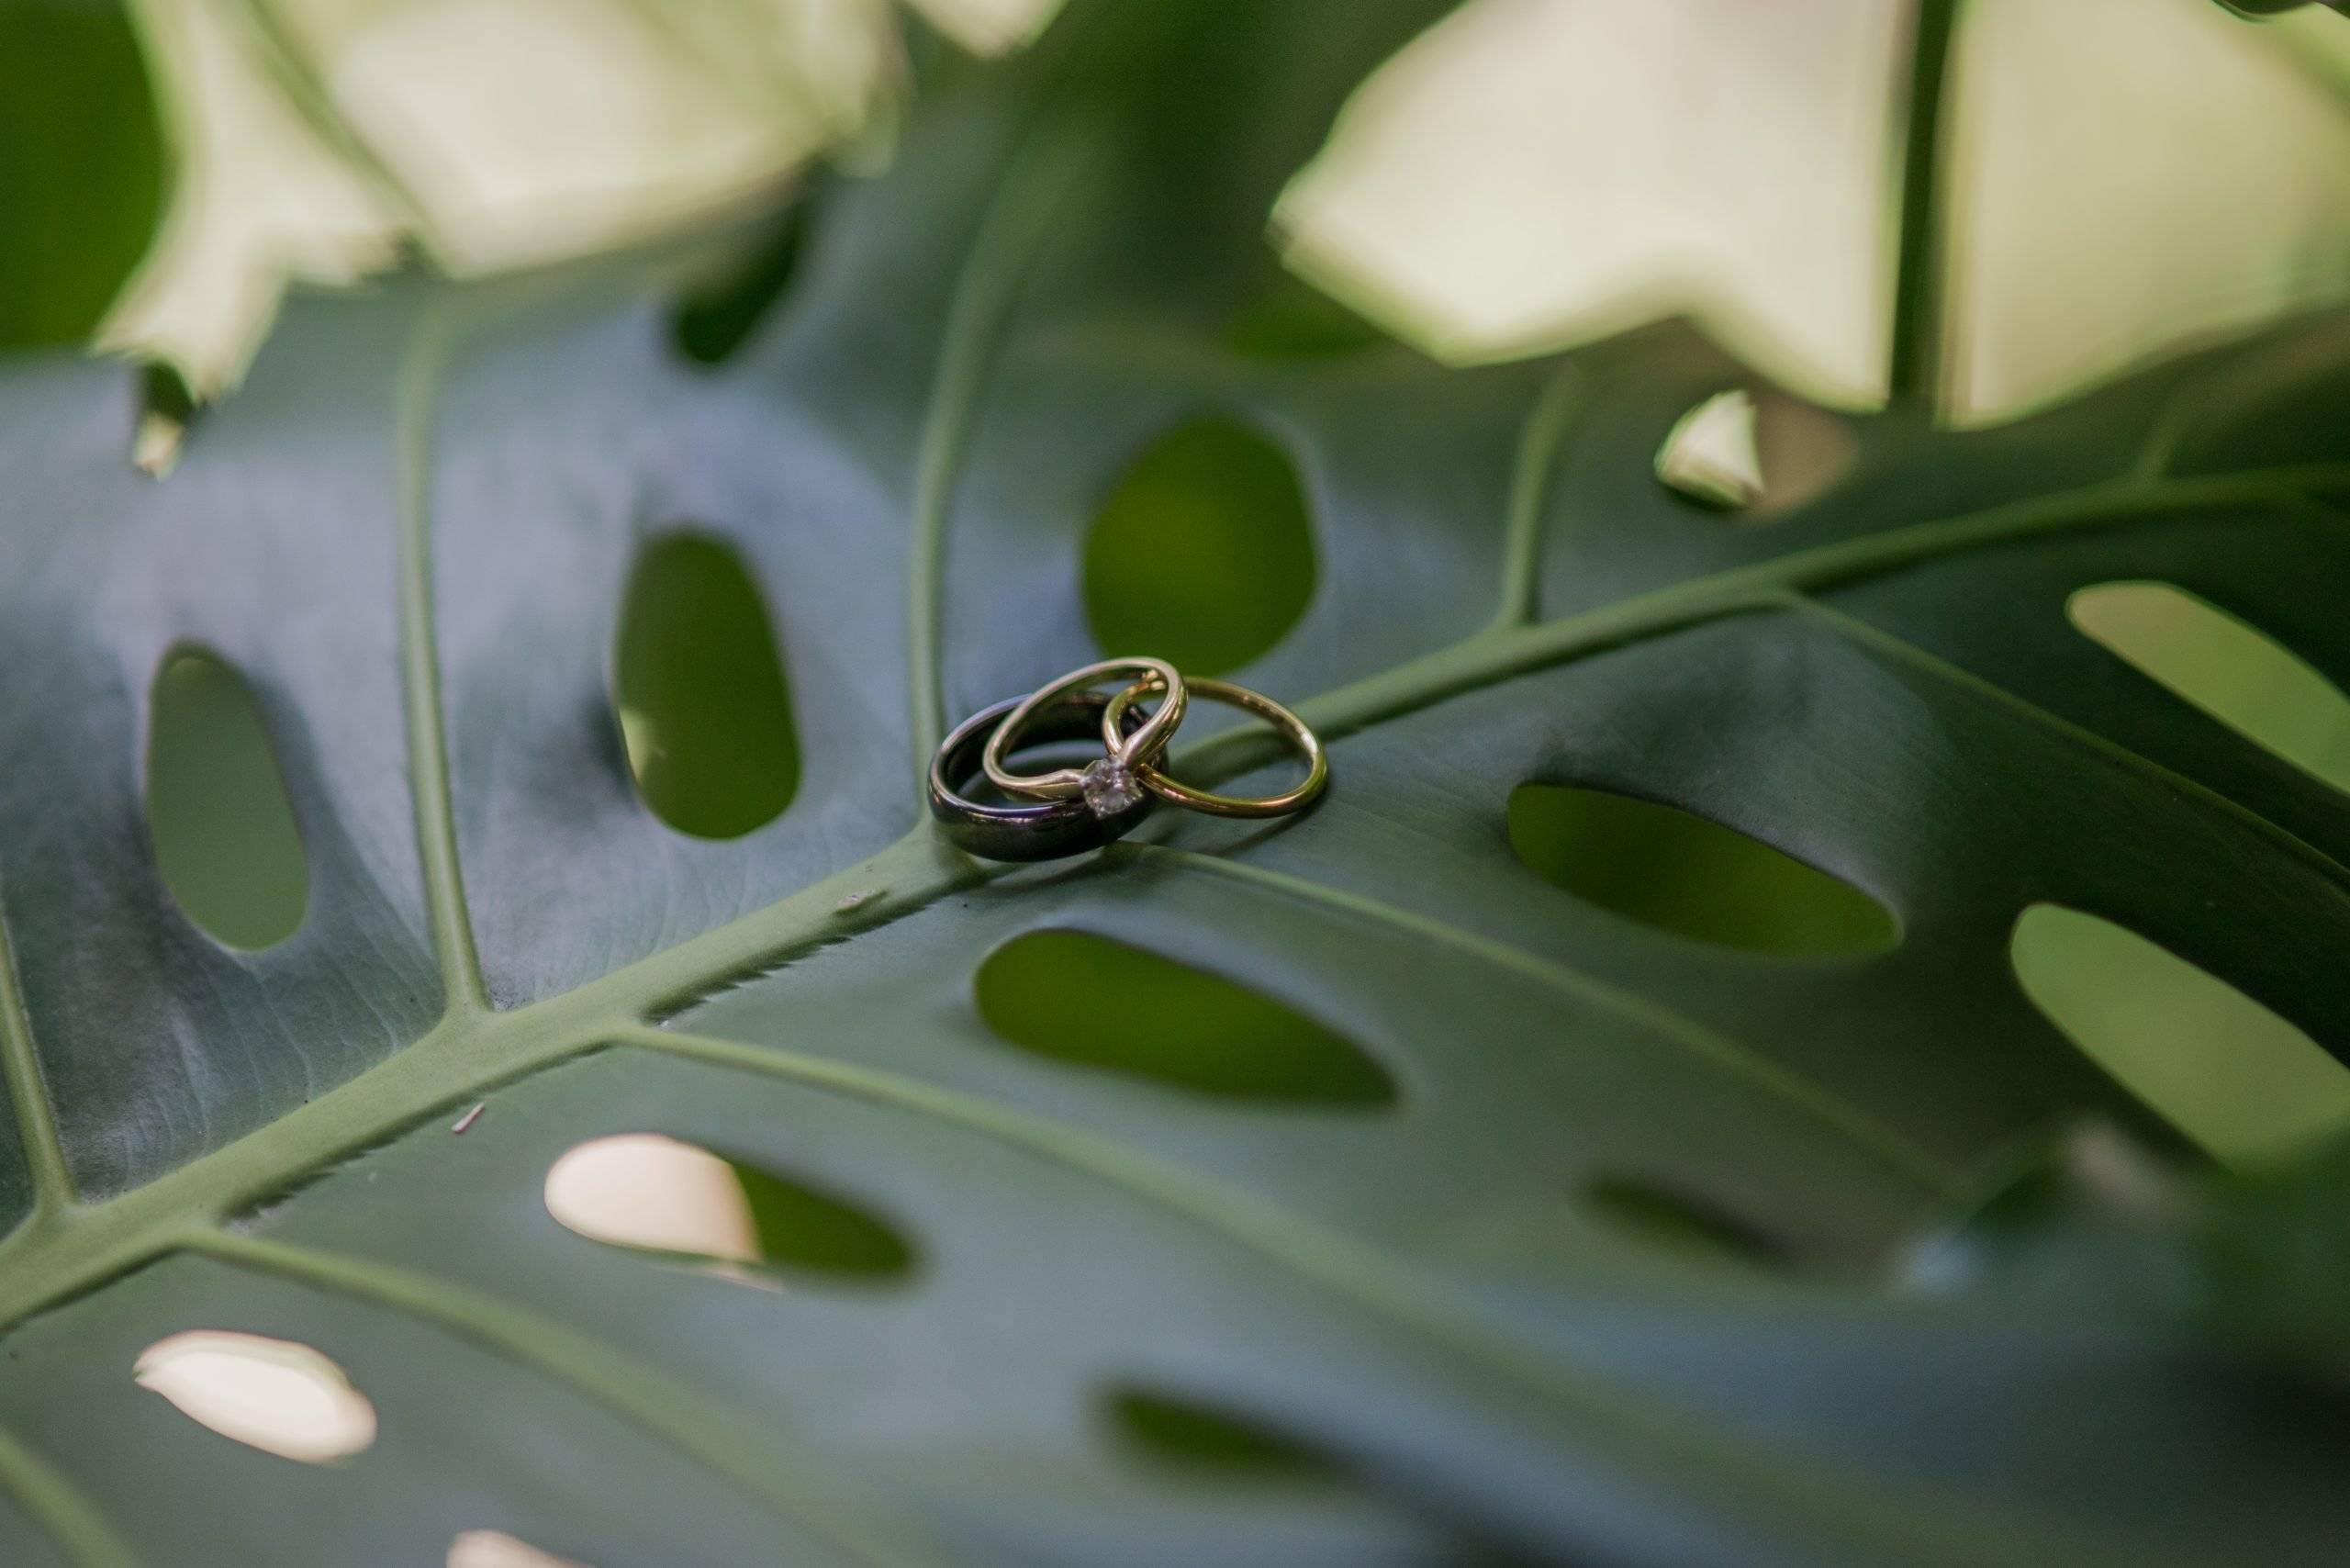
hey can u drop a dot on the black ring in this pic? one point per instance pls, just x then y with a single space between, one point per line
1047 830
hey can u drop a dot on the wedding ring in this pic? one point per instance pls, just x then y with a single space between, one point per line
1123 748
1111 782
1049 829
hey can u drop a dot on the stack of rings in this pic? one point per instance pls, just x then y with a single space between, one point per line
1067 810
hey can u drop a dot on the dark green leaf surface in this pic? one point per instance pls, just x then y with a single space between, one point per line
413 536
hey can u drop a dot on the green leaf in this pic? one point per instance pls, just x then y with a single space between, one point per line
704 708
225 839
2227 1071
1202 552
81 166
412 539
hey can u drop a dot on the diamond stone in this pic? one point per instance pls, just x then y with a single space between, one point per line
1111 788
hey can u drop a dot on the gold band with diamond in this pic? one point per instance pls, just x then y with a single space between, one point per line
1113 783
1122 749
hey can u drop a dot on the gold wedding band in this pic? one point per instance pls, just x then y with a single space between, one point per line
1128 750
1106 781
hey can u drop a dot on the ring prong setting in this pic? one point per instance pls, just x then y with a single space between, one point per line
1111 788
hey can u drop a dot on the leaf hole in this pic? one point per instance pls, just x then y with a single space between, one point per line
1757 457
1202 555
495 1548
217 812
715 320
1675 1219
1077 998
1681 872
2231 671
277 1395
1292 321
659 1194
2238 1081
704 711
84 173
1208 1441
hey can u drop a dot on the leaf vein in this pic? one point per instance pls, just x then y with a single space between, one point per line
1636 1443
788 1480
1009 231
436 832
1867 634
1697 1038
28 1092
60 1507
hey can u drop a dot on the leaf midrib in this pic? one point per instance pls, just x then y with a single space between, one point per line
469 1052
64 1248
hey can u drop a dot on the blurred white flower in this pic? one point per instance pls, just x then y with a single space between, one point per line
2120 177
314 138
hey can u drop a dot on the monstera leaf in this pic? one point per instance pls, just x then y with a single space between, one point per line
1393 1185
